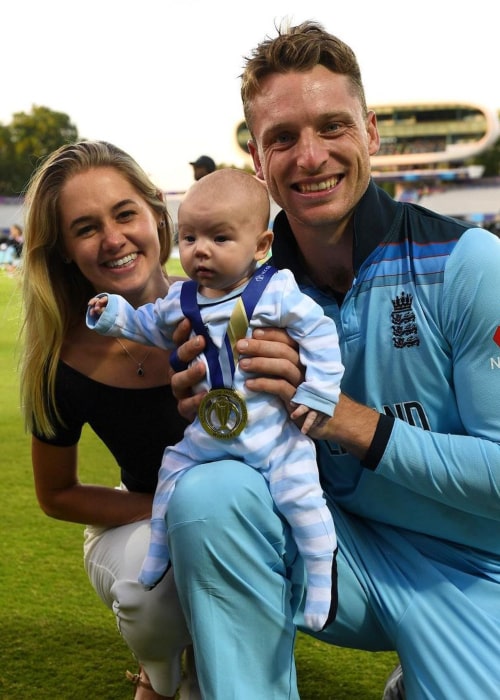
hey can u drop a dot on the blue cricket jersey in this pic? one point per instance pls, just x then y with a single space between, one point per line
419 334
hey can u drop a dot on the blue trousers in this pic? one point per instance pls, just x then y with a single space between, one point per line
241 586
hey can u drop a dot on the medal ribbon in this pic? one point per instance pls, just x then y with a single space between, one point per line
221 363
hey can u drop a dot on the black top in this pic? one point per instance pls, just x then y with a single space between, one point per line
135 424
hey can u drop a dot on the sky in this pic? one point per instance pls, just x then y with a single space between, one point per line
160 78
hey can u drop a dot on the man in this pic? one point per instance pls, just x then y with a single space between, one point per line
410 461
204 165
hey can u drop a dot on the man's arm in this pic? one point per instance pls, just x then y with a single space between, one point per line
353 426
272 355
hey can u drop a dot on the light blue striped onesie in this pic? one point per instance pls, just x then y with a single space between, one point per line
270 443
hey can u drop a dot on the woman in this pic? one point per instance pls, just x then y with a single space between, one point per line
94 221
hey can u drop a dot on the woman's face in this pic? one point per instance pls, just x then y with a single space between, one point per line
111 234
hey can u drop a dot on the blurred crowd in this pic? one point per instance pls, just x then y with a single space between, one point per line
11 247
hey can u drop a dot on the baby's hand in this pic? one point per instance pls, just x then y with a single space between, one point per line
313 419
97 305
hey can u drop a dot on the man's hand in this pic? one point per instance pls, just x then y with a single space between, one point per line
270 354
274 358
183 382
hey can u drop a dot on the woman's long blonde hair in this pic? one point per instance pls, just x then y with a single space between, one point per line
55 293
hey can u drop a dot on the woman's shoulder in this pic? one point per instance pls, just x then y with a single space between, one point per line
115 362
82 399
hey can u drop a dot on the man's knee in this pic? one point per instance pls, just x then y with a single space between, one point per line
216 489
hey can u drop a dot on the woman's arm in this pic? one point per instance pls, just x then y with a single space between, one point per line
62 496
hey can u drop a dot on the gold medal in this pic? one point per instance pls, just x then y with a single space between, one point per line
223 413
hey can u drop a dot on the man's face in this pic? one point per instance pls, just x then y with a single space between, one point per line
313 144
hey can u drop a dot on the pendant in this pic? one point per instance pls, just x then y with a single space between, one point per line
223 413
140 370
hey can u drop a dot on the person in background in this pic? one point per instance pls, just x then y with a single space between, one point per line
410 461
16 239
204 165
94 220
11 248
223 226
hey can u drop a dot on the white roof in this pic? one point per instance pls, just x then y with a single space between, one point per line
479 202
11 212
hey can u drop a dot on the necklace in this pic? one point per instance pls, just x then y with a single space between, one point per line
140 367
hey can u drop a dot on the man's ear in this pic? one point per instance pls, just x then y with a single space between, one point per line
373 133
264 243
256 160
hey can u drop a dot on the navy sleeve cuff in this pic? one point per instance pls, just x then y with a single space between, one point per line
379 442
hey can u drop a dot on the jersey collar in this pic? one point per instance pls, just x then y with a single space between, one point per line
375 217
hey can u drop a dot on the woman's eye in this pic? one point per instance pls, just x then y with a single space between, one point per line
85 231
125 215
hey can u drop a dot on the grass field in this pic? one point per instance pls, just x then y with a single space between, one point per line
57 640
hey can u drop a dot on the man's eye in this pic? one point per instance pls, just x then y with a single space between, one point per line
284 139
332 128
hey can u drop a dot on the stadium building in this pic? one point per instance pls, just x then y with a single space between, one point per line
427 152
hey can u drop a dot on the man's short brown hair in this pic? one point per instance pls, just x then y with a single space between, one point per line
298 48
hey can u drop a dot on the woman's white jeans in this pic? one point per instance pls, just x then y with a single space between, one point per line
151 622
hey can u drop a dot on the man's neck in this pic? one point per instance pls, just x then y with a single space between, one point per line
328 261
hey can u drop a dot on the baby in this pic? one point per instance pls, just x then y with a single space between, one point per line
223 241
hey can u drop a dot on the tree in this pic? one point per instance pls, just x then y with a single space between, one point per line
26 141
490 159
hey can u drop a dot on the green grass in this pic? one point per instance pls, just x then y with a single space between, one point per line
57 640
